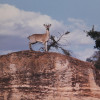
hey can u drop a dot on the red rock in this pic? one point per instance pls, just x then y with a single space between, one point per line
31 75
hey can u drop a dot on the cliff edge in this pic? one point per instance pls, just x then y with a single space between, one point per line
33 75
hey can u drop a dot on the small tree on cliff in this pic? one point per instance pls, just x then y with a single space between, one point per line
95 35
55 43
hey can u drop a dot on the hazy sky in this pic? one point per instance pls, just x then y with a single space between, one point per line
21 18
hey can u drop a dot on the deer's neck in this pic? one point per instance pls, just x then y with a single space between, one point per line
47 32
47 35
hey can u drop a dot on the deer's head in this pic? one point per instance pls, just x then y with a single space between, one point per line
47 26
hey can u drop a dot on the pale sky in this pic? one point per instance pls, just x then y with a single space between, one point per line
21 18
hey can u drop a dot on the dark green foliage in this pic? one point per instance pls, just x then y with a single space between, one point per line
97 44
95 35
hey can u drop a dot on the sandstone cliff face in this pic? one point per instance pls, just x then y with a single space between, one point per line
30 75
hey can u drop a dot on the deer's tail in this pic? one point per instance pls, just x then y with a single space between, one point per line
28 37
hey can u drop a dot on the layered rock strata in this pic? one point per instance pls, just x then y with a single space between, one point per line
31 75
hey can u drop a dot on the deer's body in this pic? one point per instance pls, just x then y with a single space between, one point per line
43 38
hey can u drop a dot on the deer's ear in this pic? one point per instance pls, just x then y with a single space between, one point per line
43 24
50 25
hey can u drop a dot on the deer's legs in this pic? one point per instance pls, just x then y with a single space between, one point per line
30 46
46 46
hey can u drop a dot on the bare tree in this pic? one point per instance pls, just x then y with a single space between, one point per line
55 43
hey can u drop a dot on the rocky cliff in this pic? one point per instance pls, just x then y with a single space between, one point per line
31 75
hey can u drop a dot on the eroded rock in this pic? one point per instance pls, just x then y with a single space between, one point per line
31 75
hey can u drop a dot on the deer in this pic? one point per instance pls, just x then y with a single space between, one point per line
42 38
